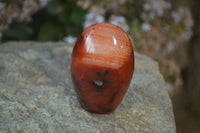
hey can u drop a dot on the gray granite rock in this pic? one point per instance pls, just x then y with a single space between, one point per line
37 96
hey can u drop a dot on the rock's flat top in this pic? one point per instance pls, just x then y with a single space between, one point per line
36 95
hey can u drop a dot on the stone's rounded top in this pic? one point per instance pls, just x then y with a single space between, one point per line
104 41
102 65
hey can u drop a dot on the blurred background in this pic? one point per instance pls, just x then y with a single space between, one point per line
166 30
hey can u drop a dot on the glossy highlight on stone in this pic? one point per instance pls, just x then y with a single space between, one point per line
102 65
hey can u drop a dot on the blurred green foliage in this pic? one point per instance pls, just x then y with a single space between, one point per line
133 11
61 18
58 19
18 31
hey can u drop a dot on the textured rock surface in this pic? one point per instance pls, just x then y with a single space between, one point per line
36 95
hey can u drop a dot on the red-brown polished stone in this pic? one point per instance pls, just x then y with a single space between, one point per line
101 67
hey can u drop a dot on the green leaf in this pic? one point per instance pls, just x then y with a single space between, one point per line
18 31
74 30
54 7
64 15
77 16
49 32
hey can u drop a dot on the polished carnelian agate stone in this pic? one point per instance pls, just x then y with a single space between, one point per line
101 67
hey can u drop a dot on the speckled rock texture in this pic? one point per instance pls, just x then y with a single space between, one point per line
37 95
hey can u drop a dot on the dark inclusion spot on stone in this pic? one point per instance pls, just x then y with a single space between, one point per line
99 74
112 97
106 73
98 84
